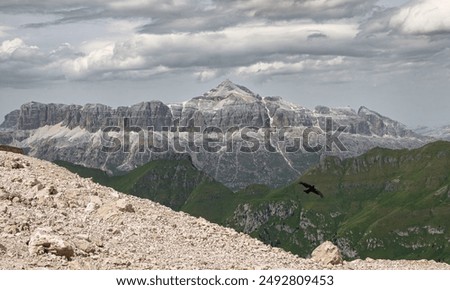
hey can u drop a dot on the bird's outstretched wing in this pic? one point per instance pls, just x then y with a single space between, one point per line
318 193
305 184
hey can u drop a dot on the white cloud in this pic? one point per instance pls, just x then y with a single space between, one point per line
102 61
265 69
207 52
207 74
419 17
423 17
16 49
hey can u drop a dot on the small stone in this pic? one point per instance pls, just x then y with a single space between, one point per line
4 195
85 246
29 195
91 207
33 182
83 237
327 254
43 241
52 190
11 229
107 211
2 249
96 200
115 194
3 208
23 227
98 242
124 206
17 165
61 204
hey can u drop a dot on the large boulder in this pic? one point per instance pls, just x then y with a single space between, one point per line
327 254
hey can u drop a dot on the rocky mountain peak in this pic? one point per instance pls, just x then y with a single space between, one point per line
366 111
227 88
383 126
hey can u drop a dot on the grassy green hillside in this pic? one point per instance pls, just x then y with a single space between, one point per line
169 182
384 204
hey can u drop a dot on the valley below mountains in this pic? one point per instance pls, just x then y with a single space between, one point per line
386 204
53 219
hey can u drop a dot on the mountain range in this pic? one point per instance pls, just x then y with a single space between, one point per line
255 139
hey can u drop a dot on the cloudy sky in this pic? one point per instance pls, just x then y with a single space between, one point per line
391 56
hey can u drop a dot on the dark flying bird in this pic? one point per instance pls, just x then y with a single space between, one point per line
311 188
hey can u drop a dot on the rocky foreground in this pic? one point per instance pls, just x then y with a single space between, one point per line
53 219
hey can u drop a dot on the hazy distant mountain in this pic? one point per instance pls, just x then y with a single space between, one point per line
229 113
440 133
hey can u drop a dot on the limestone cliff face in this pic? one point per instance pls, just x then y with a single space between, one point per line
11 120
34 115
226 106
74 133
91 117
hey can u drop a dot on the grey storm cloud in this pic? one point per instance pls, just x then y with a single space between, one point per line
213 37
293 9
189 15
80 10
220 14
317 35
